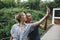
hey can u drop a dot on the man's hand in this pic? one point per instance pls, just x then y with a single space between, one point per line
38 22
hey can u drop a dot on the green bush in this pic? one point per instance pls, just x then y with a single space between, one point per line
31 4
7 3
8 14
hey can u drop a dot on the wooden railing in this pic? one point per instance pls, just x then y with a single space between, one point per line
45 23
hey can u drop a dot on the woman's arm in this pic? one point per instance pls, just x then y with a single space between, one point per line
38 22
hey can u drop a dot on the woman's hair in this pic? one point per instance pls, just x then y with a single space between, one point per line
18 16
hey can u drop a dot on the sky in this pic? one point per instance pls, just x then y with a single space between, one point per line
23 0
41 0
47 0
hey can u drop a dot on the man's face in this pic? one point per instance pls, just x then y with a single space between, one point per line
28 16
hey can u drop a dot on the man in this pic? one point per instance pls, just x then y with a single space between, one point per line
34 35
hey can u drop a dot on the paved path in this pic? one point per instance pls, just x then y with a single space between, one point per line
53 33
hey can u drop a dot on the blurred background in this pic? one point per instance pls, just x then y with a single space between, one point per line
9 8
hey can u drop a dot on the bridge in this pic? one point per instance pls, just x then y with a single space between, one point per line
54 32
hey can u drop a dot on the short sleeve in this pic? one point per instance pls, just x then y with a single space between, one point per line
13 33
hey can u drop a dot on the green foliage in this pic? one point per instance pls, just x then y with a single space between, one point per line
34 4
31 4
57 3
7 3
9 14
51 5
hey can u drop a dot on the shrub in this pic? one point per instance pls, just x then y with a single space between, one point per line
8 18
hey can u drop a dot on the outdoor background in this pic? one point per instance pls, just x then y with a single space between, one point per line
9 8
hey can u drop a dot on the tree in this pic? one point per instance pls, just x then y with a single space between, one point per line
7 3
57 2
34 4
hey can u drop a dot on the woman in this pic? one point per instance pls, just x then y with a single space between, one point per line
21 30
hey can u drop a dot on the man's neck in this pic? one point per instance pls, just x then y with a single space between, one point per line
29 21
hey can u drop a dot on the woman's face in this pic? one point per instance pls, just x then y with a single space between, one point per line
23 17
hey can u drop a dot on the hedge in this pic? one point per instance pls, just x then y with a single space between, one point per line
8 14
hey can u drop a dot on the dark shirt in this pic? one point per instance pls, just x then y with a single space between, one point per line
34 35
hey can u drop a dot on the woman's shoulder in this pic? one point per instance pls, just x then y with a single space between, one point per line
15 25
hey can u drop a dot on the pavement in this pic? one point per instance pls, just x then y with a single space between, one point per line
53 33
